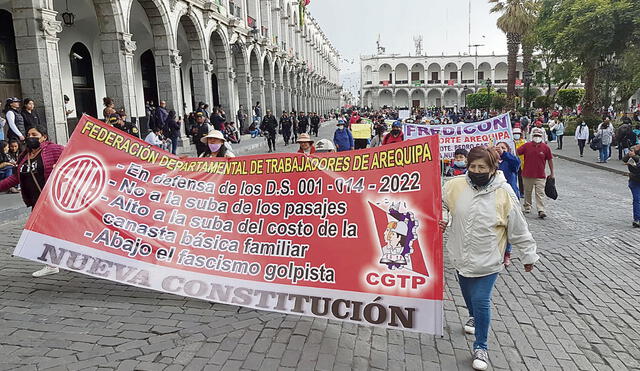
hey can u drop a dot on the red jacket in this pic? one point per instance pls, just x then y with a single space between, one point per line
50 154
388 139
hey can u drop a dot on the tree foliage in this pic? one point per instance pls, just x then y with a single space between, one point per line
543 102
570 97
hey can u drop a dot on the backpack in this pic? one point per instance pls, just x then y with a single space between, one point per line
596 143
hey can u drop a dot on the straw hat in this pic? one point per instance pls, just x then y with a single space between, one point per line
212 134
304 137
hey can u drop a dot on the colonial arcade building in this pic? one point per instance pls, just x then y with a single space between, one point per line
223 52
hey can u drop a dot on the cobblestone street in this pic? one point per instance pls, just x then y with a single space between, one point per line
578 310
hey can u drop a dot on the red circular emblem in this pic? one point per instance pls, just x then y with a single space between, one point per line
78 183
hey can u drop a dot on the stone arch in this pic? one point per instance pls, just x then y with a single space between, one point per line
385 73
434 97
278 87
255 68
463 96
434 75
158 16
402 98
484 72
110 16
418 98
450 98
194 75
467 71
219 66
269 86
385 97
417 70
501 73
402 74
451 72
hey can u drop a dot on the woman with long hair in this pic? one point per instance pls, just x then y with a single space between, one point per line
109 108
34 167
29 114
14 119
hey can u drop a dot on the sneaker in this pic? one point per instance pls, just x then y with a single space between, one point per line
507 259
47 270
470 326
480 359
541 215
636 224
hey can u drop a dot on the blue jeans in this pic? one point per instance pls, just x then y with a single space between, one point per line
508 248
604 153
477 295
635 192
174 145
6 172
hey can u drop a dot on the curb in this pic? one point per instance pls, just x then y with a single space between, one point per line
592 164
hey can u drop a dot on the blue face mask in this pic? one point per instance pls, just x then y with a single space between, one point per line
460 164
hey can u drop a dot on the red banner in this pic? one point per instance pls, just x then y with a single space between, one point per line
451 82
351 236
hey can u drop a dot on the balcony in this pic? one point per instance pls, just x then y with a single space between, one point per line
432 82
468 81
402 82
368 82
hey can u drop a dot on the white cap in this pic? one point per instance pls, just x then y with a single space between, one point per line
401 228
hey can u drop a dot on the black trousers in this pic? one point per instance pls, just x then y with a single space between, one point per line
581 144
286 135
559 139
271 140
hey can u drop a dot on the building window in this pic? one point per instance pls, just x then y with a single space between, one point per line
434 76
453 75
480 75
8 55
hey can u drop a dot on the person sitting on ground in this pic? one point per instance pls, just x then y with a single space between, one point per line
231 133
306 144
216 146
155 137
34 166
459 166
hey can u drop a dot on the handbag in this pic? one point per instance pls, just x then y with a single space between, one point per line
550 188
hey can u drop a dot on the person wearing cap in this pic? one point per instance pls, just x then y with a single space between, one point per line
396 135
306 144
315 123
200 131
394 236
215 143
14 119
536 155
324 146
303 123
285 127
484 214
342 138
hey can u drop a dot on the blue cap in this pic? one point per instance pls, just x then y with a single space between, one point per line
397 124
341 122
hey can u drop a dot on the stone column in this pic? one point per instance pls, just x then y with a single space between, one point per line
270 96
202 89
36 31
117 59
280 102
168 77
225 85
244 94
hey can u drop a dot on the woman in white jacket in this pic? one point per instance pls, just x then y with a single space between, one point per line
484 213
582 135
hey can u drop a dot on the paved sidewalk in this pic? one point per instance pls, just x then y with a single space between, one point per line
578 310
571 152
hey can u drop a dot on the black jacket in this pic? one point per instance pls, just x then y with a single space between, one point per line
30 120
269 123
634 170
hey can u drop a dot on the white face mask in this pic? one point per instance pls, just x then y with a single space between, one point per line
537 139
516 136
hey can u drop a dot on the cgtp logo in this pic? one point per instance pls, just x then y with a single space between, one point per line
78 183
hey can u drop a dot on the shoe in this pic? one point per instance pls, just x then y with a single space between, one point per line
507 259
541 215
527 211
13 190
470 326
581 156
480 359
636 224
47 270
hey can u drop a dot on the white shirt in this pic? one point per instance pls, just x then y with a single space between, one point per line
153 139
582 132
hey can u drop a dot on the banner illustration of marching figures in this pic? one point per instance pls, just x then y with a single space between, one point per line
484 133
351 236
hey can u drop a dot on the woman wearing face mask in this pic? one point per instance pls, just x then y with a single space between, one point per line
34 166
484 213
216 145
519 141
582 136
342 138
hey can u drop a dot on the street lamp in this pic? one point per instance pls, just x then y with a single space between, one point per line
68 18
488 83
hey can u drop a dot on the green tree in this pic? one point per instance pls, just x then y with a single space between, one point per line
543 102
498 102
480 100
582 31
627 80
570 97
516 19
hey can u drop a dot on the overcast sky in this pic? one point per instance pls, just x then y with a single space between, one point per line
353 27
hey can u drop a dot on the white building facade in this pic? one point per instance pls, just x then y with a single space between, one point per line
223 52
426 81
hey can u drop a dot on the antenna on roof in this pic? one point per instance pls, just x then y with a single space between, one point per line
381 49
417 40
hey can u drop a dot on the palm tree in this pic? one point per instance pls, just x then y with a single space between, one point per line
518 17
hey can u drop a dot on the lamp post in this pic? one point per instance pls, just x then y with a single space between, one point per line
488 83
464 90
608 64
68 18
